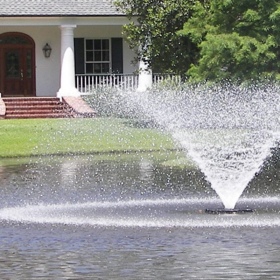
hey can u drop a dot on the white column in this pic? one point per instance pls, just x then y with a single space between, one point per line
145 72
145 76
67 75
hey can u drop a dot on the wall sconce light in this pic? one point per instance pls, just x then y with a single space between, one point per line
47 50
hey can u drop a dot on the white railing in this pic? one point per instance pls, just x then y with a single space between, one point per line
87 83
170 78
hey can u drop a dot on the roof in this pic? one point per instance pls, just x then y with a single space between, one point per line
28 8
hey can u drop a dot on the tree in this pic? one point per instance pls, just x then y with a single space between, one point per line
238 40
156 22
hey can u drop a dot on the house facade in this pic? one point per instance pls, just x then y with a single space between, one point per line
46 45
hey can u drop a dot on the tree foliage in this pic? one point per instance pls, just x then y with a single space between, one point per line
238 40
156 22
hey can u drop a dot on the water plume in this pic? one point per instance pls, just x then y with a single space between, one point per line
228 130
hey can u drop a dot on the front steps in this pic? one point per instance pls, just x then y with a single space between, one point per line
40 107
35 107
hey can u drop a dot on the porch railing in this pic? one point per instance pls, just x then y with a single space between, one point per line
87 83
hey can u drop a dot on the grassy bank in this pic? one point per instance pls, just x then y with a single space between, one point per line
70 136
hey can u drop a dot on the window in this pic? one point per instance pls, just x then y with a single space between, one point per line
97 56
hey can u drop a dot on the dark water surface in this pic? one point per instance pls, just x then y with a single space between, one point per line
129 217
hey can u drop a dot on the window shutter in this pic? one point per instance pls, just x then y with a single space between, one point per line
79 50
117 55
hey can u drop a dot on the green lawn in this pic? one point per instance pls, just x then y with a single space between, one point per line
30 137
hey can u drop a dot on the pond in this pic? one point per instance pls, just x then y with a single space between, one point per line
131 217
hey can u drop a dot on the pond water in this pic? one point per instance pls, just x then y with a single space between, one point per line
131 217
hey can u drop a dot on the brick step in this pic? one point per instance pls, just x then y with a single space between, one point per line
35 116
32 103
43 107
35 111
17 104
30 99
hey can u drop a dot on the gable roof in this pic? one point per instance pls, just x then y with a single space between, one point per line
30 8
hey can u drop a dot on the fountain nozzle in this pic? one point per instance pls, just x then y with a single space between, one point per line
228 211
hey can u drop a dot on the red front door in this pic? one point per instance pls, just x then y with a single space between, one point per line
16 65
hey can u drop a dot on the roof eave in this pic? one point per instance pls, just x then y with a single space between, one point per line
61 15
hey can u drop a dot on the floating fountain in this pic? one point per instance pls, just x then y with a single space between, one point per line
227 130
131 217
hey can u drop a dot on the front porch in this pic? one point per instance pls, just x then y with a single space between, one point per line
85 55
74 106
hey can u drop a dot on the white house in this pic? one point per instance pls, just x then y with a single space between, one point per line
84 37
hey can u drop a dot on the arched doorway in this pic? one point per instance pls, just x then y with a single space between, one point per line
17 65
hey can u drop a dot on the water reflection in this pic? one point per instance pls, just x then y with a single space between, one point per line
130 217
